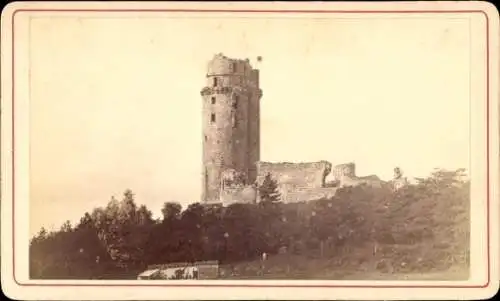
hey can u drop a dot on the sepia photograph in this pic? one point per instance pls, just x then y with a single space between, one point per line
243 143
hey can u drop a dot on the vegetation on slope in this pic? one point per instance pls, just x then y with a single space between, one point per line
421 228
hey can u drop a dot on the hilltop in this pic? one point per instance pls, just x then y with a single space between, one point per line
421 232
361 232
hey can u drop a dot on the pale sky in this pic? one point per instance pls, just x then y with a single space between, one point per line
115 102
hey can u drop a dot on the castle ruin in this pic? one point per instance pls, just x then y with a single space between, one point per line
232 169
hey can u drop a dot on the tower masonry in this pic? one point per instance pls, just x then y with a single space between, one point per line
231 124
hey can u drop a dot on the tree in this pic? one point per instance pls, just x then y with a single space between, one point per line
124 229
213 231
144 216
128 207
242 233
192 223
270 214
171 211
66 227
85 222
268 190
165 237
42 234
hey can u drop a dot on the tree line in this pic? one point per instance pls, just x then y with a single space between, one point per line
121 239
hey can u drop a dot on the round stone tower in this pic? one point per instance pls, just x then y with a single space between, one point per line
231 123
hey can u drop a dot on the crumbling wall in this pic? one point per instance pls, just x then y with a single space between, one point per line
231 177
346 170
345 176
238 194
298 182
233 188
295 175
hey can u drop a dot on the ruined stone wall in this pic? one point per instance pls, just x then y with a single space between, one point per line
344 170
298 175
238 194
297 181
229 127
345 175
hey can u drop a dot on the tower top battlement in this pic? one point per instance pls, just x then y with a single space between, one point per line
223 65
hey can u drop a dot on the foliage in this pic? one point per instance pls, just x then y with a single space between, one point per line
419 227
268 190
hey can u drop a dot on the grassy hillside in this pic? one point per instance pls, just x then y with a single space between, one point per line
420 232
361 233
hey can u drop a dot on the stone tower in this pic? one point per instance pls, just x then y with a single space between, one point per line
231 123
